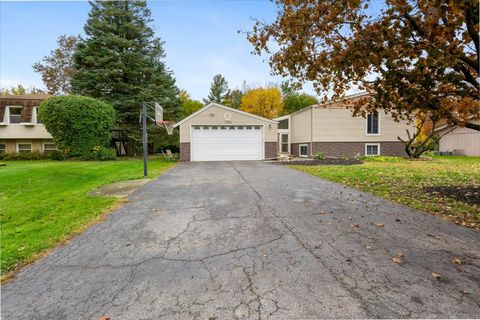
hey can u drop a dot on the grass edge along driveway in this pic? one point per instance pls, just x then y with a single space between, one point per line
403 181
44 203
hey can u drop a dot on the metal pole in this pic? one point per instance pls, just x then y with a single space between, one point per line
145 141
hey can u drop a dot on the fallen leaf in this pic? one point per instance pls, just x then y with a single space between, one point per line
369 247
380 225
397 260
155 209
457 260
436 275
317 247
355 225
104 318
464 291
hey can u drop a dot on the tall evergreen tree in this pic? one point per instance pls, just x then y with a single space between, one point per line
121 62
218 90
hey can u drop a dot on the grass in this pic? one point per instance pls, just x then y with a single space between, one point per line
43 203
403 180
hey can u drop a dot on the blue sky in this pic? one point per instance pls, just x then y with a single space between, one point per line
201 39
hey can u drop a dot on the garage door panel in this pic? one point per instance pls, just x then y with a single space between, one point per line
226 144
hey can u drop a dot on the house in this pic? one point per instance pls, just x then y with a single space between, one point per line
20 129
459 141
217 132
331 129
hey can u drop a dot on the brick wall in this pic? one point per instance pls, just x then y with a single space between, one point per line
351 149
185 151
270 150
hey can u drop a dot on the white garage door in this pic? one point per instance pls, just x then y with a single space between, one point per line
216 143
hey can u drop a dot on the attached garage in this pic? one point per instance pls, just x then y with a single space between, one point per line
220 133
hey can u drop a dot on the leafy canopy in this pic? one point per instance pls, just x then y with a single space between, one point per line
189 105
297 101
420 55
264 102
57 69
80 126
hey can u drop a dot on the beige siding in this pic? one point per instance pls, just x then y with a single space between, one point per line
215 116
464 139
300 126
21 131
330 125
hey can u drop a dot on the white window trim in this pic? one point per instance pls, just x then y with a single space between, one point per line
6 115
34 115
300 148
379 125
44 149
288 142
372 144
24 142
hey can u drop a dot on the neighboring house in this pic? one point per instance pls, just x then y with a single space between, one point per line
217 132
460 141
20 129
331 129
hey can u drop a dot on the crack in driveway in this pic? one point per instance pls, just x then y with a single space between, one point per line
251 240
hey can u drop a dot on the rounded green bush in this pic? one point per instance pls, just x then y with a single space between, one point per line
79 125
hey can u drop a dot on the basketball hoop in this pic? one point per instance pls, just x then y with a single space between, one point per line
168 125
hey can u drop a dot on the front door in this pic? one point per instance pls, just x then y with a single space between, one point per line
284 145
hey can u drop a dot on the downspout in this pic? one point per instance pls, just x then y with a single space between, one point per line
311 131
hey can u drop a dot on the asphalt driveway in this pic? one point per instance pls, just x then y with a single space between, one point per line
255 241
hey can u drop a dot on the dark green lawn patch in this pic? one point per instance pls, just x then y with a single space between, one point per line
406 181
42 203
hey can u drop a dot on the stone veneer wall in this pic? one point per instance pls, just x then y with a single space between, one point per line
270 150
185 151
351 149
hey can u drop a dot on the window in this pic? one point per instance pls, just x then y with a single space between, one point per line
257 127
372 149
49 147
248 127
284 142
240 128
231 128
24 147
14 114
196 127
283 124
303 150
3 148
35 119
373 123
214 128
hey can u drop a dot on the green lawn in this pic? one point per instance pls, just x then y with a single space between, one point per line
42 203
403 180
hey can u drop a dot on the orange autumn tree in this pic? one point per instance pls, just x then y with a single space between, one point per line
264 102
418 56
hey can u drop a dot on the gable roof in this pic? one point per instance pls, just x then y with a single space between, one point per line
212 104
333 104
34 96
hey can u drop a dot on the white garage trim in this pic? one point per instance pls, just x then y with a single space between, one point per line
226 108
227 142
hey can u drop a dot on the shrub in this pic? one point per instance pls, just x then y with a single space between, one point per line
100 153
57 155
35 155
319 156
79 125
